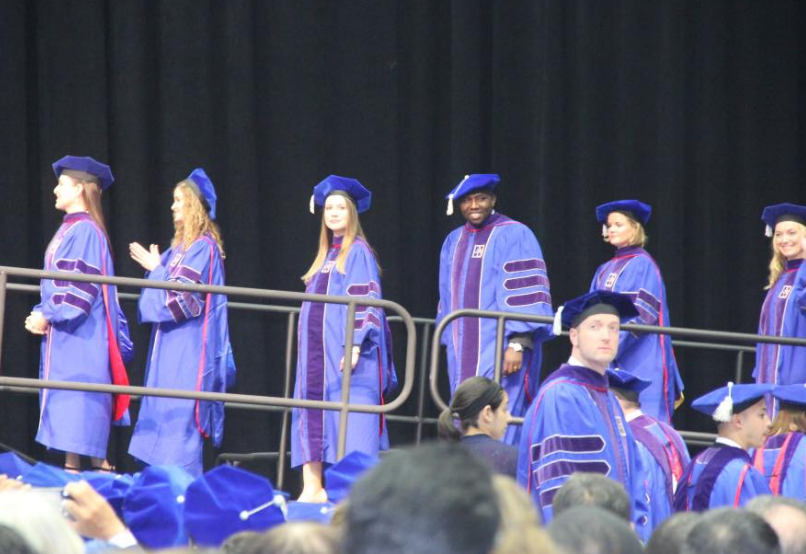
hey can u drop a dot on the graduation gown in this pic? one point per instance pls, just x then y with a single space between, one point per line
782 461
576 424
189 350
76 348
664 458
498 266
783 314
719 476
320 348
650 356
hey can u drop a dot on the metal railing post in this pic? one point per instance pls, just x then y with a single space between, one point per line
418 437
346 374
499 347
3 282
739 366
289 350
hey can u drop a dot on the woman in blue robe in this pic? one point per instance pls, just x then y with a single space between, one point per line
190 347
85 336
345 266
783 313
633 272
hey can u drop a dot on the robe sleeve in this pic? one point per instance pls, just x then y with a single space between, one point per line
70 302
640 281
362 279
159 305
800 287
522 282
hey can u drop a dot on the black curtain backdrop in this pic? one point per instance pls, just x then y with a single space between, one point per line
693 107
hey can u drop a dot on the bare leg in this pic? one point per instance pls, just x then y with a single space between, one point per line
312 489
101 464
72 462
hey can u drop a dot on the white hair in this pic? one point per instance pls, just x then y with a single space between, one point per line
36 515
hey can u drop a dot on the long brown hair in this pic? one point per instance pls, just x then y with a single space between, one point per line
325 236
195 220
788 415
91 196
778 261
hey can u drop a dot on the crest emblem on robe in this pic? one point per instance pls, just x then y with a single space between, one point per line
784 294
328 266
478 251
611 280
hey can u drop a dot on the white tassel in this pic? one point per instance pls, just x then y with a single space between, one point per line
449 211
604 230
311 206
724 411
277 500
768 231
557 327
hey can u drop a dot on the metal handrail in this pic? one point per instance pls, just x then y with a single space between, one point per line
344 406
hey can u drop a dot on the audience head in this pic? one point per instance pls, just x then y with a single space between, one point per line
36 516
787 517
479 404
593 489
299 537
437 498
731 531
11 542
592 530
668 538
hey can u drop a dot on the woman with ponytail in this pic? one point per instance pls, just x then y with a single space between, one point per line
478 417
85 336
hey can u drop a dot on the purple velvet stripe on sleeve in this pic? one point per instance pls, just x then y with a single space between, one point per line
585 444
78 266
516 283
524 265
364 289
77 302
520 300
547 497
186 273
370 319
565 468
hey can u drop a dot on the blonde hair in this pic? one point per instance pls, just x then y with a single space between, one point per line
195 220
640 237
789 415
778 261
325 235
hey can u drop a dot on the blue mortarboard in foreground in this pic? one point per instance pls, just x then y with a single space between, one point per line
341 475
153 508
638 209
12 466
782 212
206 189
306 511
470 183
114 487
44 475
87 165
622 379
793 394
576 310
332 183
226 500
719 404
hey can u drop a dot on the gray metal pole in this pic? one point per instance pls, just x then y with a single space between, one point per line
499 347
3 281
289 351
346 374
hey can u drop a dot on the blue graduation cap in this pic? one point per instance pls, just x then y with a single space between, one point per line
226 500
332 183
792 394
307 511
638 210
471 183
623 379
87 165
341 475
114 487
731 399
44 475
13 466
782 212
576 310
206 189
153 508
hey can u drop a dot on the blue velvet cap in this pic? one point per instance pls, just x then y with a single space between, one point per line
13 466
87 165
793 394
719 403
153 508
772 214
44 475
638 209
199 176
474 182
626 380
581 304
341 475
332 183
306 511
114 487
226 500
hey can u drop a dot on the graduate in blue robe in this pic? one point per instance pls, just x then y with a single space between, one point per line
663 453
345 266
783 313
493 263
190 347
85 334
633 272
723 475
782 459
575 422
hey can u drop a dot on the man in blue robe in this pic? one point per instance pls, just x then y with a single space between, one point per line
575 423
663 453
723 475
493 263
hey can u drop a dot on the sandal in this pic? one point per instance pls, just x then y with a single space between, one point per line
102 469
72 469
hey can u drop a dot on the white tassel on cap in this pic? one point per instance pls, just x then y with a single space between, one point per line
246 514
449 211
557 327
604 230
768 231
311 206
724 411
